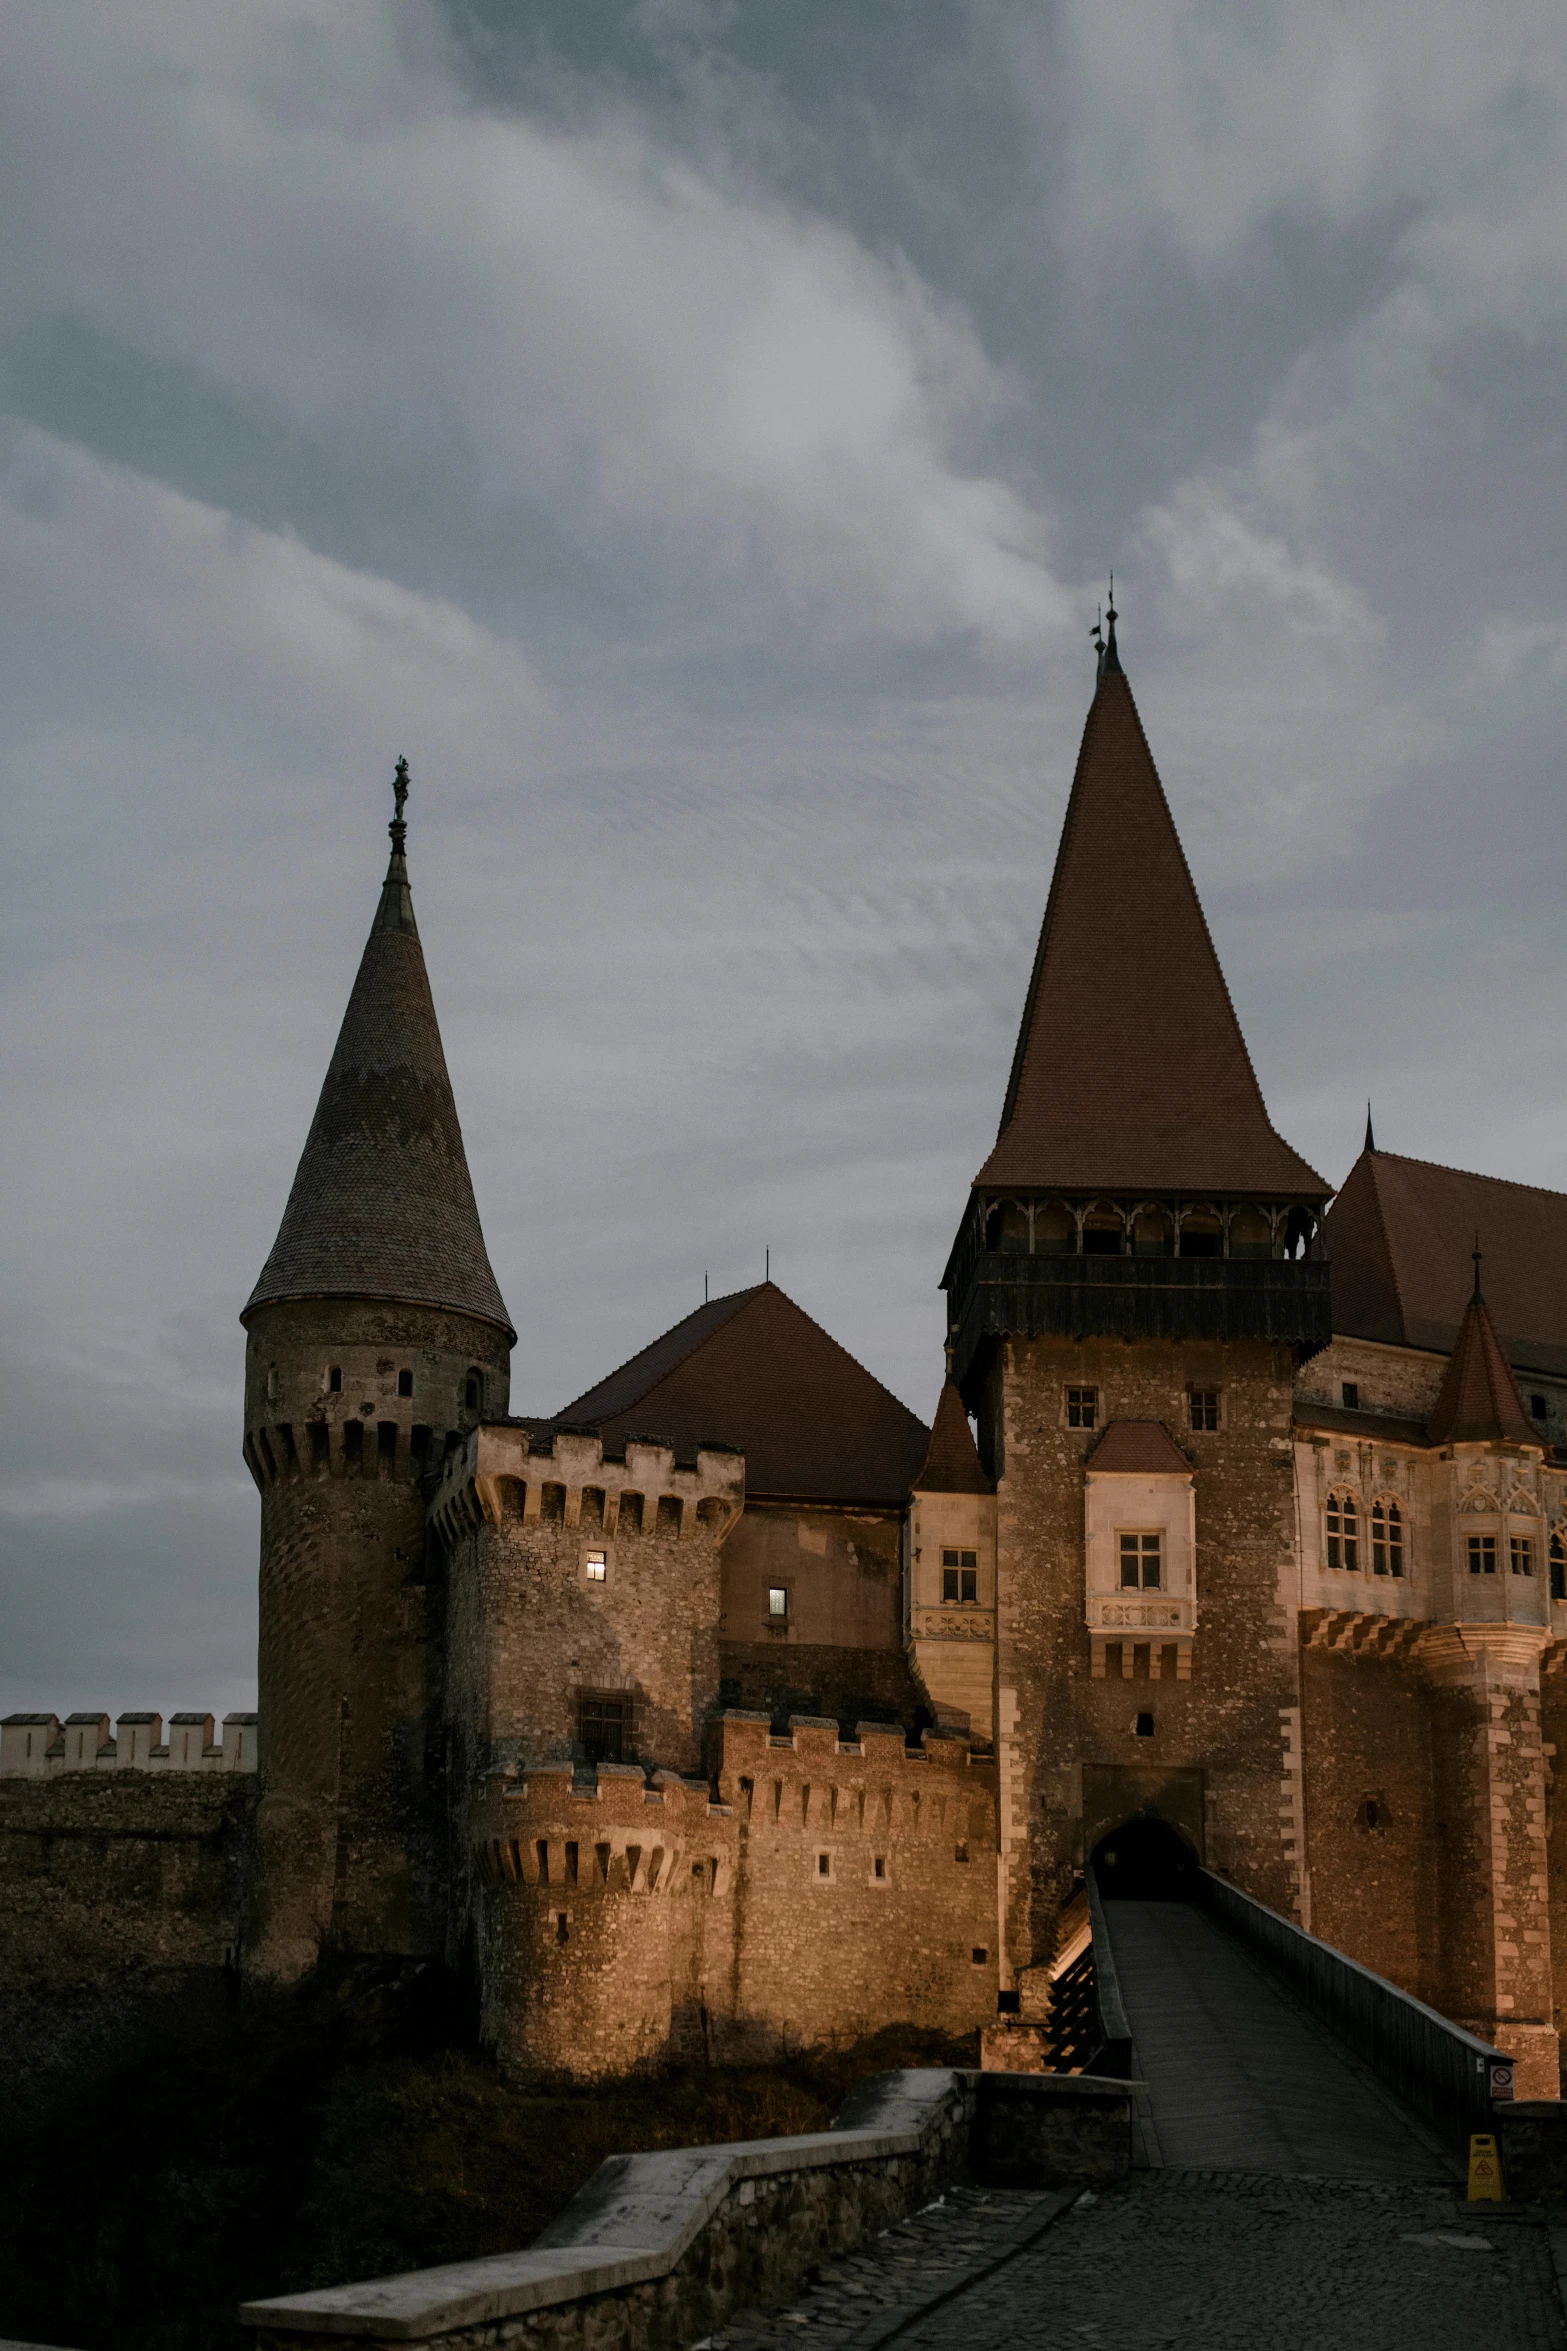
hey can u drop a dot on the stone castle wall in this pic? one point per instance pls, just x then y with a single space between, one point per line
833 1888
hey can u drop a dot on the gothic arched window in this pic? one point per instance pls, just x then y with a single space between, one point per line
1387 1538
1343 1532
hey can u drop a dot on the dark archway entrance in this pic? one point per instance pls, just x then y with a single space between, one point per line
1145 1860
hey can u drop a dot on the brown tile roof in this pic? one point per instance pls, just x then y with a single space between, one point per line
754 1371
382 1204
1400 1237
1383 1428
952 1464
1138 1447
1131 1073
1479 1403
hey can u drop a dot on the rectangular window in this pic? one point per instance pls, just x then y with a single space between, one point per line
601 1726
949 1584
405 1383
969 1593
1521 1548
1537 1408
777 1601
1140 1562
334 1379
1350 1391
1082 1408
960 1577
596 1567
1205 1408
1387 1539
1558 1568
1482 1555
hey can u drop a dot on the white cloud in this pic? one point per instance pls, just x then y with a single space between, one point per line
297 202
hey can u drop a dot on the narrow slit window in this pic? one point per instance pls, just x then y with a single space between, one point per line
405 1383
334 1380
1482 1555
1082 1408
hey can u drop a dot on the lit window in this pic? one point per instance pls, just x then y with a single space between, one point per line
405 1383
1350 1391
777 1600
597 1567
1140 1556
1482 1555
1082 1408
1205 1408
1387 1539
1521 1548
1343 1532
1558 1568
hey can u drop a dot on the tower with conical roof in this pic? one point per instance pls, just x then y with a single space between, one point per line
375 1335
1133 1259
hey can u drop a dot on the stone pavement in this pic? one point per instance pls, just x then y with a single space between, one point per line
1239 2076
1186 2261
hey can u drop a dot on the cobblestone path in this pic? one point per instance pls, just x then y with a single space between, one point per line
1186 2261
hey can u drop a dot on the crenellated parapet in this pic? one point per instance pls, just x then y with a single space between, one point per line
41 1746
504 1471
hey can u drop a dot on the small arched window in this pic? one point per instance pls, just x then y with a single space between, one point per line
1343 1532
1387 1539
473 1390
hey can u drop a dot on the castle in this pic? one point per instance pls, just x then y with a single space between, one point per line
729 1708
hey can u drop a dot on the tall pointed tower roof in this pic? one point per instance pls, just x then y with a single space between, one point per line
1131 1073
952 1464
382 1204
1479 1403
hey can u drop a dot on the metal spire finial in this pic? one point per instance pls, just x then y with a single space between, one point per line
1110 659
1370 1143
399 826
1475 1254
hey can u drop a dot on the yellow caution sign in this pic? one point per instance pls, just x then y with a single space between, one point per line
1485 2170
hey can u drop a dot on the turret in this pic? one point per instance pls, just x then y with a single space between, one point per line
376 1336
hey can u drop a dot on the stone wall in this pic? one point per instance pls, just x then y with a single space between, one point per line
1236 1720
835 1888
123 1902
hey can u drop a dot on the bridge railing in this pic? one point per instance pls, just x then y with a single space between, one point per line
1114 2057
1444 2072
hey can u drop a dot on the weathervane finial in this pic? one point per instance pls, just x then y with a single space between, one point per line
1110 659
398 828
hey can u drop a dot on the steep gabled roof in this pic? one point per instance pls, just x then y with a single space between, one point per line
382 1204
1479 1403
754 1371
1399 1237
952 1464
1140 1448
1130 1072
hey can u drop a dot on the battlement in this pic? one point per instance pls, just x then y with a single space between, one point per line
40 1746
496 1474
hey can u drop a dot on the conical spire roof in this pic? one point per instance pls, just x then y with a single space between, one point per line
952 1464
1479 1403
382 1204
1131 1073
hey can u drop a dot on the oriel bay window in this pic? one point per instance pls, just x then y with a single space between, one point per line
1141 1561
960 1578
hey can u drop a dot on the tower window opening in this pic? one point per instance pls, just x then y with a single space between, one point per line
562 1929
1143 1727
1521 1550
1537 1407
979 1954
1558 1568
596 1567
1082 1408
777 1602
1205 1408
602 1727
1343 1532
879 1866
1349 1390
1482 1555
405 1383
334 1380
473 1390
1141 1563
824 1865
1387 1539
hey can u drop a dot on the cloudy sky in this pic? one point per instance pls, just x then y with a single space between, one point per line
696 432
